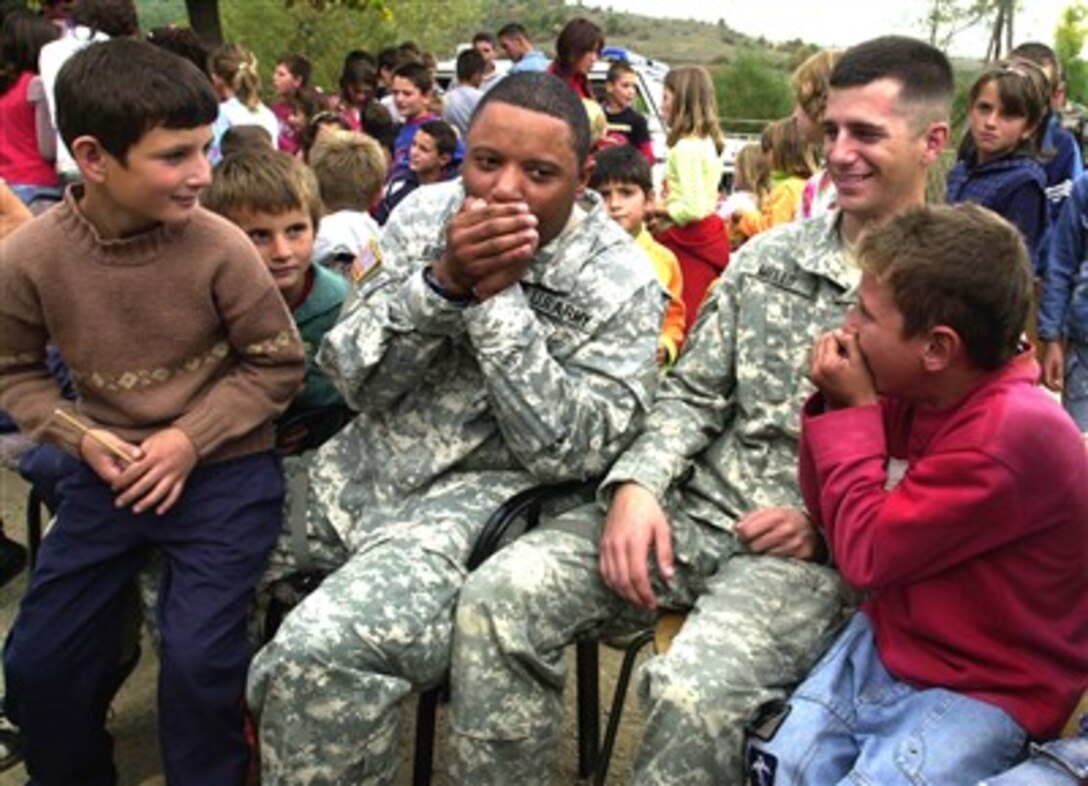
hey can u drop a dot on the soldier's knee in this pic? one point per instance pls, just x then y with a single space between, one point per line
507 582
311 634
670 688
694 694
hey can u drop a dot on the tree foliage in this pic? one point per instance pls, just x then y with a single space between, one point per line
326 30
945 19
1069 38
378 6
752 89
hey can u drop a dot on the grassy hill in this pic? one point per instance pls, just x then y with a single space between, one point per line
671 40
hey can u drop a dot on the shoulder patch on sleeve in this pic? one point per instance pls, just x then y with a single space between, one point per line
367 262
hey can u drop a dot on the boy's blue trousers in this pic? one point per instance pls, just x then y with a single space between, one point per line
62 655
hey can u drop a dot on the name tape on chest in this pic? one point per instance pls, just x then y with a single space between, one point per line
559 309
795 281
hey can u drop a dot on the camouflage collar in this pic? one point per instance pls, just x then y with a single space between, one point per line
556 265
827 255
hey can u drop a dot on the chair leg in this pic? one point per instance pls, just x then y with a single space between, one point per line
618 699
33 527
589 721
426 720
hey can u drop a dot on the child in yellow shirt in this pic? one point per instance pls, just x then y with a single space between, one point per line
792 160
621 175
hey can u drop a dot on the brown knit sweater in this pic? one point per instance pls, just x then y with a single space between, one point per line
178 326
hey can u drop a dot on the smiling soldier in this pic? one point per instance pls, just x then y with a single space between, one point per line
704 510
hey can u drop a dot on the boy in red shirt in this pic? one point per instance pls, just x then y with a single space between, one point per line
954 491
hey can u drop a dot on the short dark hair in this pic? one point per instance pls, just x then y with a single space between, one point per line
922 71
512 30
115 18
298 65
416 73
409 49
483 36
182 41
358 70
618 69
313 126
445 138
388 58
621 164
248 137
960 266
1044 57
470 64
118 90
1040 54
378 123
548 95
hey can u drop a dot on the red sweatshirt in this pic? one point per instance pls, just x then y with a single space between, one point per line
977 559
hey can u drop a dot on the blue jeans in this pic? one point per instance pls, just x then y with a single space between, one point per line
37 198
1075 392
851 722
1055 763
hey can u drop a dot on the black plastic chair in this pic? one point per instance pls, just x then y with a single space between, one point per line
500 528
660 635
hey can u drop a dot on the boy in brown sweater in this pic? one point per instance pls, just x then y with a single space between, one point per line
182 352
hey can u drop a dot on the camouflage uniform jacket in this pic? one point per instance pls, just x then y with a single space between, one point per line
546 381
723 433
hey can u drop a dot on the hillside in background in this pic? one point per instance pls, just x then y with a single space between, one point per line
671 40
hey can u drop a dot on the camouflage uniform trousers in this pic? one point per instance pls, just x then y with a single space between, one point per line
757 624
327 689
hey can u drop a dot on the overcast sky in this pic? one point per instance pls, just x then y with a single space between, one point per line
839 22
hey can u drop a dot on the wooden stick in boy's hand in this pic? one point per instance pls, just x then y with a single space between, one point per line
87 431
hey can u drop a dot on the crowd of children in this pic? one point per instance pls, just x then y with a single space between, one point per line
299 195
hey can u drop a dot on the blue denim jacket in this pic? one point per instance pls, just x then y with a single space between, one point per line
1063 310
1055 763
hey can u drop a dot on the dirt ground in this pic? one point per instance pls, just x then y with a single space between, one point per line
133 724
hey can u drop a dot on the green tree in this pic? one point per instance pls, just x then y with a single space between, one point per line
327 30
1069 37
752 89
945 19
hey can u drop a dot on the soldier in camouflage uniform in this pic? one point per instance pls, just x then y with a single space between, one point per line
703 510
507 339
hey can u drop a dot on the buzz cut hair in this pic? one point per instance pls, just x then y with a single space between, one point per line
922 71
548 95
